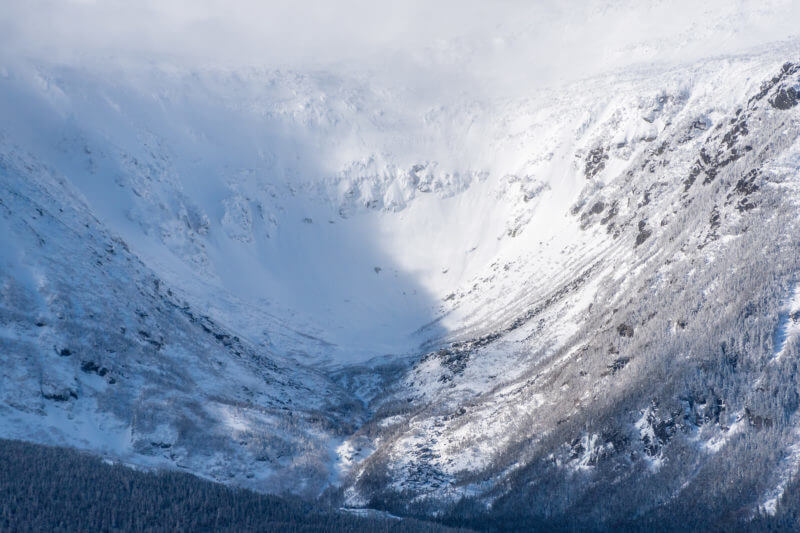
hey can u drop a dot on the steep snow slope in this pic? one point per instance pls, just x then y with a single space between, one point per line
299 276
99 353
634 332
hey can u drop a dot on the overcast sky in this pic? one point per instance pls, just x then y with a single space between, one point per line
502 41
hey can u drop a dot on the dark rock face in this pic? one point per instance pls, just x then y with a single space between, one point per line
643 234
597 208
618 364
714 219
743 189
587 216
63 396
625 330
457 355
721 153
595 162
612 212
785 95
785 99
787 70
91 367
747 185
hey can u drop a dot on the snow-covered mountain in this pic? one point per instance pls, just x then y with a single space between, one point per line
577 302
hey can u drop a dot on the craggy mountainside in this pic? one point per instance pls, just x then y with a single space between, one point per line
581 307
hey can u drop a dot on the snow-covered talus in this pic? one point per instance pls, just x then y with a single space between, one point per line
556 299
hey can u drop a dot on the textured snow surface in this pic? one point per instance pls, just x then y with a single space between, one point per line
290 279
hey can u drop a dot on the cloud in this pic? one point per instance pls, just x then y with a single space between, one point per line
493 44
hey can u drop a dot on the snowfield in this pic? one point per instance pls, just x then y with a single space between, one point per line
308 282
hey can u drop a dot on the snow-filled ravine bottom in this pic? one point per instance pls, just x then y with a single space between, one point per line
304 222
